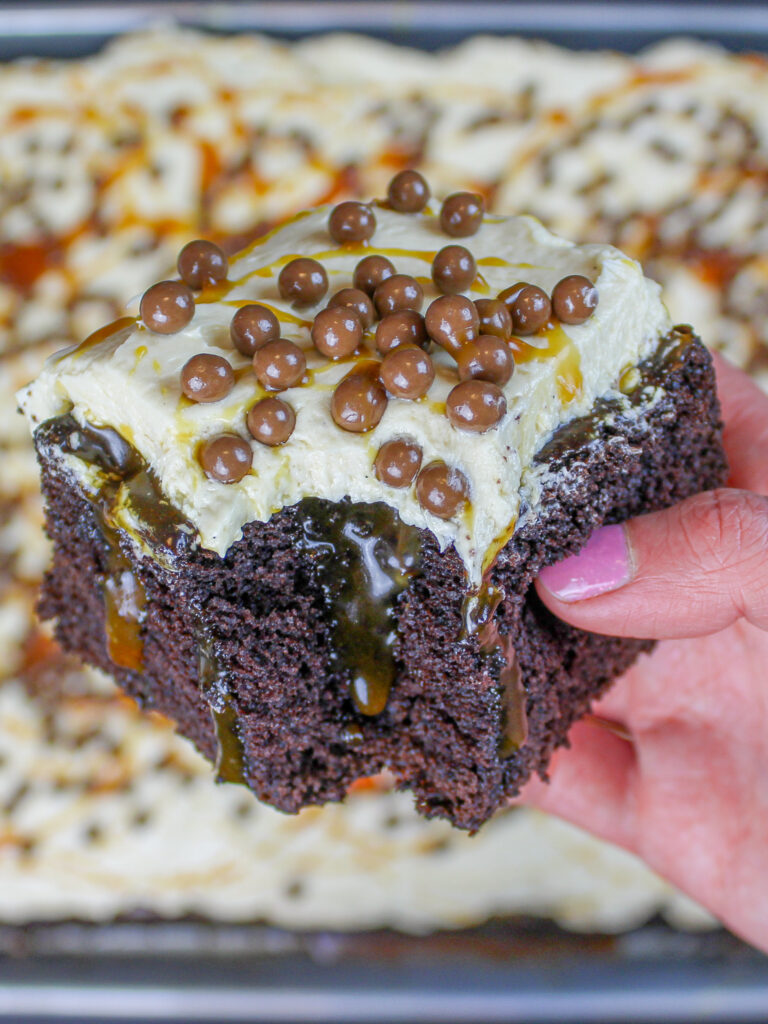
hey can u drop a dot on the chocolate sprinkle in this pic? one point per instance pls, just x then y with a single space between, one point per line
226 458
397 463
202 263
303 281
337 332
405 327
359 400
207 378
271 421
453 269
494 316
351 222
407 372
486 358
452 321
574 299
441 489
408 192
476 405
359 301
167 307
401 291
253 326
462 214
279 364
371 271
529 307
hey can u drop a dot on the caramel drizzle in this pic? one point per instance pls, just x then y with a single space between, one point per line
559 346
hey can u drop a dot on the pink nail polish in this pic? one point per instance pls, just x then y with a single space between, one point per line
602 565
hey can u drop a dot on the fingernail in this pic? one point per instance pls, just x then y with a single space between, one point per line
602 565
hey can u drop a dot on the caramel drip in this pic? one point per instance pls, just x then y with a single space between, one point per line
555 344
230 757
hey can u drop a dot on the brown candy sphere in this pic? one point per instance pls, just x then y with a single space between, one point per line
303 281
401 291
453 269
351 222
486 358
408 192
226 458
494 317
397 463
452 321
442 490
462 214
356 299
529 307
405 327
167 307
279 364
253 326
337 332
407 372
574 299
476 405
371 271
207 378
201 263
359 401
271 421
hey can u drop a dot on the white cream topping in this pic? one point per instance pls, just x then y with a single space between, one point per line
130 381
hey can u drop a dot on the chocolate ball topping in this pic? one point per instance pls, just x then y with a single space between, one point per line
357 300
453 269
167 307
226 458
406 327
494 317
529 307
271 421
371 271
337 332
442 490
201 263
207 378
359 401
253 326
279 364
351 222
407 372
401 291
408 192
462 214
303 281
574 299
476 405
452 321
397 463
486 358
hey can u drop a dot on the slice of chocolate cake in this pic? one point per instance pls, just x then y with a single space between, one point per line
298 503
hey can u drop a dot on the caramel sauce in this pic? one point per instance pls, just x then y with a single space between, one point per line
117 331
556 345
230 758
281 314
364 557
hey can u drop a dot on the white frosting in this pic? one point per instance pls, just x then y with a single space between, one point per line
130 381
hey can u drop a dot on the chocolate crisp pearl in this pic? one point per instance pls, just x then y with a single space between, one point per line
494 317
337 332
207 378
167 307
476 405
574 299
359 401
303 281
371 271
351 222
408 192
407 372
356 299
201 263
452 321
453 269
226 458
406 327
253 326
462 214
486 358
401 291
397 463
442 490
271 421
529 307
279 364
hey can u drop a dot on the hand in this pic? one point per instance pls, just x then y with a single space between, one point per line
687 789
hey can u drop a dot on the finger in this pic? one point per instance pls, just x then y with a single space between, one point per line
745 412
591 784
687 571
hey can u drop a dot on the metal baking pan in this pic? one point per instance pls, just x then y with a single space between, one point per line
513 971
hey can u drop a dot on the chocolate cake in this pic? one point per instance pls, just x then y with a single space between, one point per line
307 530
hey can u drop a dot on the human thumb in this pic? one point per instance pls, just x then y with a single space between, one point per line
690 570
